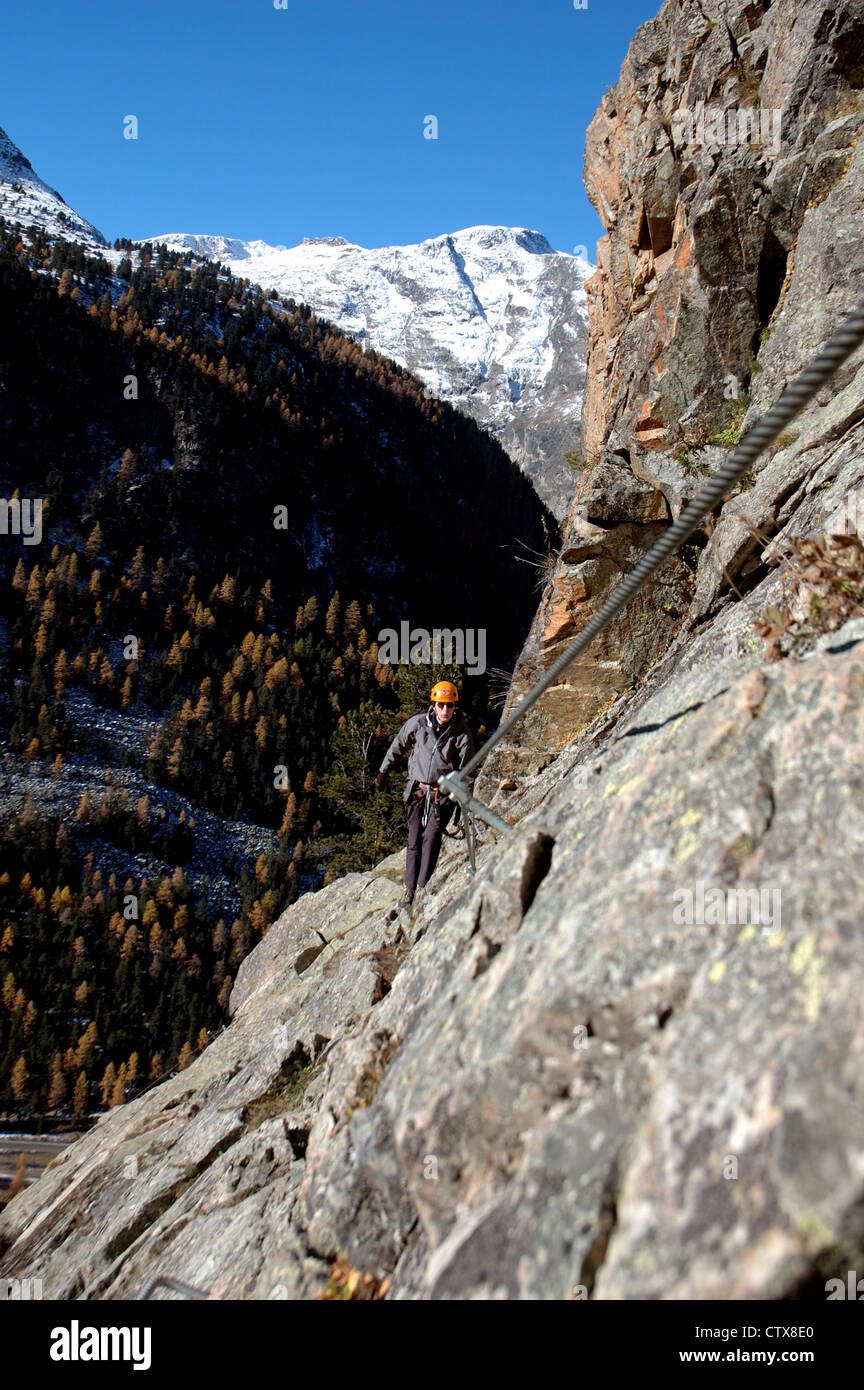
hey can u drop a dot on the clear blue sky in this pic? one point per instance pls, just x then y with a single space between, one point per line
308 121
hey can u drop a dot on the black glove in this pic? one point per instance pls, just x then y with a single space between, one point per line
380 780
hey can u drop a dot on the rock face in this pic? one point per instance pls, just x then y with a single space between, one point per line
626 1059
614 518
492 319
728 261
561 1074
724 134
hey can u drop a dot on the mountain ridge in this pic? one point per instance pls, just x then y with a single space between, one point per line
506 348
27 198
491 318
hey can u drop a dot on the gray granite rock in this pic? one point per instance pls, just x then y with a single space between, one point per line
625 1059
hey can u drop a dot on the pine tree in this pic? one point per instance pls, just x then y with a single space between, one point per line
61 674
81 1097
57 1088
137 569
86 1046
19 578
127 469
227 590
118 1092
331 622
353 618
109 1079
289 817
94 546
130 942
159 579
18 1080
34 589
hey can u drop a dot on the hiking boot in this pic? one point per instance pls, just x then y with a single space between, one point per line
405 902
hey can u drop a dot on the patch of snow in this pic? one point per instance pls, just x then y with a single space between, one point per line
26 199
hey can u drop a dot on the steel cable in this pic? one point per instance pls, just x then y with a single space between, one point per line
848 337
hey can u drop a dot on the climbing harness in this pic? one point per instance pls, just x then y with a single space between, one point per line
848 337
467 831
430 798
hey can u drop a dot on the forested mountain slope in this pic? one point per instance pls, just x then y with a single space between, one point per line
235 501
492 319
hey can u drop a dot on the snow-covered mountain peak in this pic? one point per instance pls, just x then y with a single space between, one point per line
28 200
320 241
491 318
217 248
13 164
490 237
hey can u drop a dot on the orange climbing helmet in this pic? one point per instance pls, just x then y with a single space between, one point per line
445 692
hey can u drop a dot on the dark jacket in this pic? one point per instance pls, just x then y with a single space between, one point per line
434 749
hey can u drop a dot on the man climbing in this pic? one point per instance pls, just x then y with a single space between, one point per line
439 741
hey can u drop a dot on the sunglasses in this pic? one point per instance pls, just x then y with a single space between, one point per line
445 704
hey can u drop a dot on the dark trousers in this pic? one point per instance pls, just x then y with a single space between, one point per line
424 846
